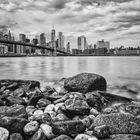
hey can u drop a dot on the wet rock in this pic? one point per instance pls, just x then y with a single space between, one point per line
118 123
4 133
123 137
14 84
68 127
95 100
39 135
86 121
101 131
59 87
47 130
19 92
31 127
43 103
16 136
63 137
11 100
85 82
34 98
50 107
30 110
13 124
76 105
61 117
58 107
13 111
43 118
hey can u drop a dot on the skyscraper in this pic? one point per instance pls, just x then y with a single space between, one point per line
60 40
42 39
22 49
103 44
82 42
53 38
68 47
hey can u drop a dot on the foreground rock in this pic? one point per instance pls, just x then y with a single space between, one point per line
119 123
68 127
85 82
16 136
4 133
123 137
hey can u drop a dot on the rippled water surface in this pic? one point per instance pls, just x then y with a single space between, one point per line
121 73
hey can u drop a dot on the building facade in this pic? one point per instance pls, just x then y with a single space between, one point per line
103 44
82 43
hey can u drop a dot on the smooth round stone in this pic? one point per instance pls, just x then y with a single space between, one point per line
94 112
31 127
92 138
4 133
82 137
50 107
47 130
38 112
61 117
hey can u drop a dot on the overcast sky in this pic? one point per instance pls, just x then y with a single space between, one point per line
115 20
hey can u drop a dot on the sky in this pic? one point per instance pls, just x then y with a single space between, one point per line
117 21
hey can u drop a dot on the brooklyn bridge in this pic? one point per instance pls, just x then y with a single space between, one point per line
50 50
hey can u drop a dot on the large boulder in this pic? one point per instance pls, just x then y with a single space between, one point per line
85 82
68 127
13 124
118 123
13 111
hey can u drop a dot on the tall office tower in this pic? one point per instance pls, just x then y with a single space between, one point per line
22 38
82 42
68 47
9 36
42 39
60 40
103 44
53 38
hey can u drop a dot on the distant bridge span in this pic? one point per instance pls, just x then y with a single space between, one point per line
32 45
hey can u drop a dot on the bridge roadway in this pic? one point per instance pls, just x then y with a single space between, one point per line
32 45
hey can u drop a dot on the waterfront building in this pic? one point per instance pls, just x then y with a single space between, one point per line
22 38
68 47
82 43
3 49
42 39
53 40
103 44
60 40
76 52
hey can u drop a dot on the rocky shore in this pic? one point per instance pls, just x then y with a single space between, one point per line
75 108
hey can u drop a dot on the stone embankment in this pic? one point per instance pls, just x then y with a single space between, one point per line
75 108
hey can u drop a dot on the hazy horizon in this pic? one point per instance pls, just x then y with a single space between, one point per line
117 21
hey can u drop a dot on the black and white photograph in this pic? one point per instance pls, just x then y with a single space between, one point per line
69 69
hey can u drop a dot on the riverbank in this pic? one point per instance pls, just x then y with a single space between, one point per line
75 108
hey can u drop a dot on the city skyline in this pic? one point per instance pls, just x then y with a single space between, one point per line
113 20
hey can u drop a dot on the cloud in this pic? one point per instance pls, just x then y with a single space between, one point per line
97 19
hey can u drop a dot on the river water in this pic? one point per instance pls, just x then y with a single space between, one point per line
122 73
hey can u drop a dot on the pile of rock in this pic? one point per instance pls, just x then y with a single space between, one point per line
76 108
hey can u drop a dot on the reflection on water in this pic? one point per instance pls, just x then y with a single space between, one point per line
118 71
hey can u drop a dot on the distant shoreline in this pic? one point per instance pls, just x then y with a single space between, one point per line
60 55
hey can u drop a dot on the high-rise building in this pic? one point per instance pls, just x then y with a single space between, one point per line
53 38
22 49
60 40
103 44
68 47
42 39
82 42
1 35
